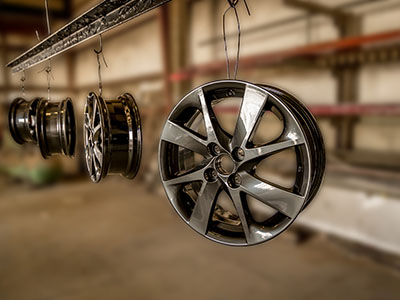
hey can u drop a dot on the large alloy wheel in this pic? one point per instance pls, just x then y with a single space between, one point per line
50 125
113 136
213 176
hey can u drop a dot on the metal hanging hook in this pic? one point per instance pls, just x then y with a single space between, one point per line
232 5
98 53
48 68
23 79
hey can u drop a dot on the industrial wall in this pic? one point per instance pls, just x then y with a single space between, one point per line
351 206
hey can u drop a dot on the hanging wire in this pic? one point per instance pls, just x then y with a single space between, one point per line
98 53
48 68
23 79
232 5
46 4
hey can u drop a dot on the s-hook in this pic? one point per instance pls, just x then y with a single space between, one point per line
232 5
98 53
23 79
48 68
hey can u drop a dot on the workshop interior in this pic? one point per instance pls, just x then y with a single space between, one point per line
199 149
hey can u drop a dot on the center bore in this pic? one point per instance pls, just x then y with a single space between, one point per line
225 164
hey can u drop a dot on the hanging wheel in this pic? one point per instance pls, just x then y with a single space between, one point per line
215 178
113 137
50 125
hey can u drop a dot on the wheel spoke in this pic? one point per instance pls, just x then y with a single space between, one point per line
90 164
250 113
214 131
204 206
96 164
191 176
94 111
87 118
261 152
98 154
237 202
180 136
283 201
97 128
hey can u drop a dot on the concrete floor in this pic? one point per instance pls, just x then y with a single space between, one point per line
115 240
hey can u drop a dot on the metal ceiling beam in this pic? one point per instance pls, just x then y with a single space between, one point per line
101 18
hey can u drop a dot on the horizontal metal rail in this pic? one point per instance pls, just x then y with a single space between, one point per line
104 16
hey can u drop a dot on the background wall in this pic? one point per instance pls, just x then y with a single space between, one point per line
162 55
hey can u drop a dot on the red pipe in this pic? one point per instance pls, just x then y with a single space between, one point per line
336 110
279 56
355 110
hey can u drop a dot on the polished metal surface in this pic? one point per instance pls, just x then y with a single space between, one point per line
50 125
313 134
113 137
210 176
104 16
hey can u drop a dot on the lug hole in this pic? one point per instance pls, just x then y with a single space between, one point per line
214 149
235 180
238 154
231 93
210 175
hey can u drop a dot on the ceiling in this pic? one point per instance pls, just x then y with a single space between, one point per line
23 15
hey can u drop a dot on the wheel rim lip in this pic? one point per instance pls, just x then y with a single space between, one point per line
41 128
318 140
161 170
320 156
135 155
66 109
11 120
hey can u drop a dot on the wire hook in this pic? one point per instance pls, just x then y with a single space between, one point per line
98 53
48 68
232 5
23 79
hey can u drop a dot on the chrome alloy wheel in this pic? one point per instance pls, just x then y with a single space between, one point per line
113 137
50 125
211 176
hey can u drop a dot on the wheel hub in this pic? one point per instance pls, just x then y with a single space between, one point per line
224 164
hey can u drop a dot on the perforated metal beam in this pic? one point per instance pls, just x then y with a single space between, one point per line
104 16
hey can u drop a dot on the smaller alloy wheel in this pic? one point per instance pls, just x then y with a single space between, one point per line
50 125
113 136
213 176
